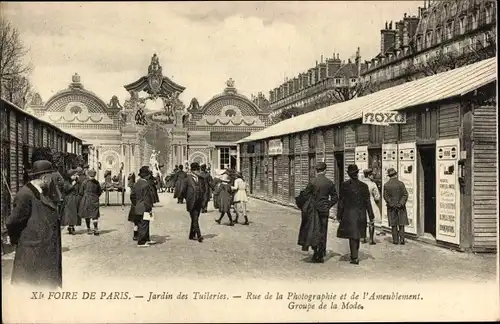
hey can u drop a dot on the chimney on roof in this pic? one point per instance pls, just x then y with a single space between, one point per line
405 15
338 57
390 25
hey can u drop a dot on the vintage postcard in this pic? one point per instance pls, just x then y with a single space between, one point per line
253 161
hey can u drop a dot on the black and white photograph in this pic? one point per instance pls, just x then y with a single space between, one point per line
249 161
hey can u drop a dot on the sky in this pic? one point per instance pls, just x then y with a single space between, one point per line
200 45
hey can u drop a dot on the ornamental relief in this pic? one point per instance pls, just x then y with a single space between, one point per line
230 115
77 113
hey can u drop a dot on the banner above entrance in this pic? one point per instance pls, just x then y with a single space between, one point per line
227 136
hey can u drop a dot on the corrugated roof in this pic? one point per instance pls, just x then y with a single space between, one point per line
37 118
437 87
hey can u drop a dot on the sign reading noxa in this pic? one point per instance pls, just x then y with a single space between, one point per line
384 118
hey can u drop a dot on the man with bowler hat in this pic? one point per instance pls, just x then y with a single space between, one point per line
354 205
34 228
395 196
325 197
142 199
193 190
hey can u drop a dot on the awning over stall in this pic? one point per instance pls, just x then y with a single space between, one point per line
434 88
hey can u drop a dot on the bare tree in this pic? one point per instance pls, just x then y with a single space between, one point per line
341 94
15 85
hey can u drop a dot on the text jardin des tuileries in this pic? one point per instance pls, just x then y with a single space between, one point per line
295 301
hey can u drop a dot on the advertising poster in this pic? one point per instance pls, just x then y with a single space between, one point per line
361 159
408 175
447 191
389 160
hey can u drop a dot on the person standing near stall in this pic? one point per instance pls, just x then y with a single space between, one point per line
395 196
225 196
71 202
353 208
90 191
34 227
374 199
208 180
240 198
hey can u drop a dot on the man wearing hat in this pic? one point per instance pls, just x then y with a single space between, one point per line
208 180
325 197
395 196
88 209
34 228
193 190
374 198
354 205
142 199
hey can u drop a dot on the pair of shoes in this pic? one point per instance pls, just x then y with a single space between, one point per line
354 261
395 243
402 242
217 221
96 233
231 224
200 239
144 245
372 242
151 242
89 231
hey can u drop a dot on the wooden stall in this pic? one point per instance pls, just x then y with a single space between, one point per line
21 133
444 147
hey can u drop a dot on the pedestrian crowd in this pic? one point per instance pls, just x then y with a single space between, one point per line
357 210
49 202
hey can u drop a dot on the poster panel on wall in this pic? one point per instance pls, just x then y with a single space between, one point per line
447 191
361 159
389 160
408 175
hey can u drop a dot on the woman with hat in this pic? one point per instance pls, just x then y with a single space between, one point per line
374 198
89 205
353 207
35 219
240 198
225 197
71 201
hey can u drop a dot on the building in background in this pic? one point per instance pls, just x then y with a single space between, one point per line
330 81
84 114
443 36
213 128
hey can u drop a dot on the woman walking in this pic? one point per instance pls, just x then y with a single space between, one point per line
240 198
72 197
89 206
223 191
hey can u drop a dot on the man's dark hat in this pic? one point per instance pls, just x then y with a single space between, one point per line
352 169
391 172
41 167
144 171
195 166
320 166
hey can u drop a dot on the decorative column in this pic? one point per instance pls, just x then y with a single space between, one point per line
238 158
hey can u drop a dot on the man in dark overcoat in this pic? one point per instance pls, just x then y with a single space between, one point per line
34 228
208 181
193 190
142 199
325 197
395 196
180 176
354 205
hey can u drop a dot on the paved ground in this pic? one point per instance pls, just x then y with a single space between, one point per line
265 249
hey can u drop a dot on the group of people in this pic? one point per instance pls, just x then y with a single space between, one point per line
357 210
44 205
195 188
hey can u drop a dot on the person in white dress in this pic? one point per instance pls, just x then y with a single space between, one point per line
240 198
374 199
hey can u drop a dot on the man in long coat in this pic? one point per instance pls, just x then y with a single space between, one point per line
180 176
142 200
34 228
89 208
354 205
208 180
325 197
193 190
395 196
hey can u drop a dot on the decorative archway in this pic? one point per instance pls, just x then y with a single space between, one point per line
199 157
